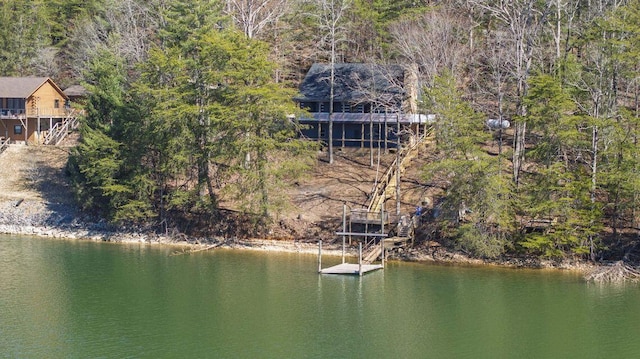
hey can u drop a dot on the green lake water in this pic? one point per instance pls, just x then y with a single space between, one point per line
76 299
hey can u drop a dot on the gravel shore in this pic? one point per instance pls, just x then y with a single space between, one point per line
35 200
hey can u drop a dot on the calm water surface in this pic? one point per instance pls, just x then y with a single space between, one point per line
74 299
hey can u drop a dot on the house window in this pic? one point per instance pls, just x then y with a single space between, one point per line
16 105
309 106
17 129
56 103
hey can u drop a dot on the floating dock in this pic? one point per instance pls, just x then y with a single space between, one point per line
359 268
351 268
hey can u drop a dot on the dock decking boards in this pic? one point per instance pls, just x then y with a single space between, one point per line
350 268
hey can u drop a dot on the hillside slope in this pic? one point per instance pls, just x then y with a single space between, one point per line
35 191
33 187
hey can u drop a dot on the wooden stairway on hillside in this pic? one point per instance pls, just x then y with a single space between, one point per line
60 130
386 187
4 143
373 254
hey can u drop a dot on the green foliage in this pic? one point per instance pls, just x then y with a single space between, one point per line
368 25
458 129
62 14
106 85
558 199
22 36
559 192
105 167
551 115
478 192
480 242
219 122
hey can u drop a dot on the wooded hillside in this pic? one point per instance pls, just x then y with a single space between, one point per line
190 101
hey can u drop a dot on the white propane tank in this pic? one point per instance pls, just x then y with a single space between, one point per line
496 124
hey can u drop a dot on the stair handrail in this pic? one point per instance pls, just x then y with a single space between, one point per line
4 143
380 190
59 131
51 133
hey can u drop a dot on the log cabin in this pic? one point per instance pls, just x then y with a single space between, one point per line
33 110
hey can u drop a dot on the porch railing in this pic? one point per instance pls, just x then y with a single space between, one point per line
9 113
50 112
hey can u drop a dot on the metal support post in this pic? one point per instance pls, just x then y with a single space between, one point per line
320 256
344 228
360 259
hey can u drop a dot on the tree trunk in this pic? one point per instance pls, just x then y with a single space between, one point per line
518 152
331 94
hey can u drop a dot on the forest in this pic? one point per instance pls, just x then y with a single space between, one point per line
190 100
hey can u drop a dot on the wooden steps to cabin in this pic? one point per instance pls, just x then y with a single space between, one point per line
404 229
372 254
60 130
4 143
387 185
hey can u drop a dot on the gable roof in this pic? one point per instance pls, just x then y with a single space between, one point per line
353 83
76 91
23 87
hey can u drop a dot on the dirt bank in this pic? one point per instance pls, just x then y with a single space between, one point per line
36 200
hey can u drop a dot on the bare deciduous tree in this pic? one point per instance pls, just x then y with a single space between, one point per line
434 41
523 20
329 16
253 16
126 28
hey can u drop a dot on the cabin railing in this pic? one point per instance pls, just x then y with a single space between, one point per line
60 130
12 113
50 112
18 113
4 143
363 215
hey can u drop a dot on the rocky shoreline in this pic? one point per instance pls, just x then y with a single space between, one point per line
92 233
191 244
34 218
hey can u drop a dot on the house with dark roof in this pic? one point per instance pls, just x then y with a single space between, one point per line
372 104
76 93
32 108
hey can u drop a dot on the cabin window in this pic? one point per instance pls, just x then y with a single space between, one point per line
17 129
15 104
56 103
309 106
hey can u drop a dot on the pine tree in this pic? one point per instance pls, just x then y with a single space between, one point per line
476 207
556 193
106 167
219 121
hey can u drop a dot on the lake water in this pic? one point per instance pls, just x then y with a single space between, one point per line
76 299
